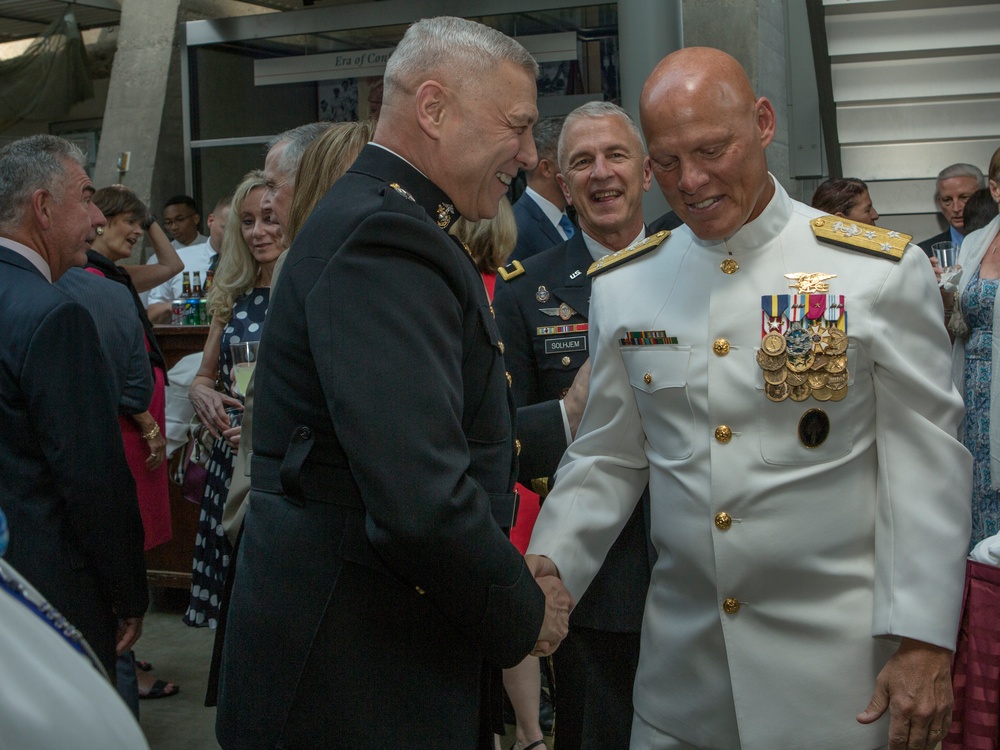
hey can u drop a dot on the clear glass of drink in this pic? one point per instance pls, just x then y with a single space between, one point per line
244 361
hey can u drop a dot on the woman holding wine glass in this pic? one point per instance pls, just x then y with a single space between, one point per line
237 304
975 324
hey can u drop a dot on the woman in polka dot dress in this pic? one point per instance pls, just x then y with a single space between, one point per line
237 304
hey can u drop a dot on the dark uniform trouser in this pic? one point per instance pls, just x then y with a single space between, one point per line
597 667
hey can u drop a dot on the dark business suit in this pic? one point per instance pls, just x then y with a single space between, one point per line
926 245
534 230
75 530
595 666
122 342
376 592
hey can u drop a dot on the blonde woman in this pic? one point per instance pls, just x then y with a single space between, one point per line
490 242
237 304
323 163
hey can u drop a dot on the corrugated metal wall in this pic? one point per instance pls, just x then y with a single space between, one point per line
917 87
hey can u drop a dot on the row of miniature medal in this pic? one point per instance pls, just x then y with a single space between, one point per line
804 356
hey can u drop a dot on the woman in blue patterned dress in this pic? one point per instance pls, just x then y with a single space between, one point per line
237 304
975 363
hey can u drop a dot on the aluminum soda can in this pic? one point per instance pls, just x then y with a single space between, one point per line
177 312
191 311
202 311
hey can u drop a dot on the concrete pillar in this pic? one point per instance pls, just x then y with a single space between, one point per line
136 94
143 112
752 31
648 31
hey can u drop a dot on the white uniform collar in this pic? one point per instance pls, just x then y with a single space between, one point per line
756 234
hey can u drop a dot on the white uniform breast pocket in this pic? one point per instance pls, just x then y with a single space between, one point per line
659 376
790 437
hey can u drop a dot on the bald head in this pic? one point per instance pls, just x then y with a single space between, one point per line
706 133
698 77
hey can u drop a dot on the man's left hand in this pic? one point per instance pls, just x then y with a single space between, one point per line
128 633
915 687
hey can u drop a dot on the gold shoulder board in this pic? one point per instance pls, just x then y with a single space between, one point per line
511 271
865 238
628 253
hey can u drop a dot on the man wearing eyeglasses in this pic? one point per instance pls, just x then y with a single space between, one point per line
955 184
181 220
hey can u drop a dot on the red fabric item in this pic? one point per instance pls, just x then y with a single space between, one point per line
529 503
490 281
527 511
150 486
976 668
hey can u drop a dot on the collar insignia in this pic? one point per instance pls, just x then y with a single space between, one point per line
399 189
445 214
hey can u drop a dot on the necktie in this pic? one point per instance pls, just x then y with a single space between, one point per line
567 226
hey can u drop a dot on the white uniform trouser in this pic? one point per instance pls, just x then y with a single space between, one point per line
647 737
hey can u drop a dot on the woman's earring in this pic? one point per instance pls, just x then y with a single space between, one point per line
100 230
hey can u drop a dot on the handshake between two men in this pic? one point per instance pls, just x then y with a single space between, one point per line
558 605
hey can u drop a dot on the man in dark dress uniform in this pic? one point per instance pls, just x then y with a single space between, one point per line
376 594
542 312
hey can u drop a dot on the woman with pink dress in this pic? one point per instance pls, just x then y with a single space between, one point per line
143 434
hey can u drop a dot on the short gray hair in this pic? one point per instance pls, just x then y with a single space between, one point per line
296 141
546 133
959 170
450 44
29 164
597 109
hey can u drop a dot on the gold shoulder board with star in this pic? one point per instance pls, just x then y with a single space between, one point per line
865 238
511 271
629 253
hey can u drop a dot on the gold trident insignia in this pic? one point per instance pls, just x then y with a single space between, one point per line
810 283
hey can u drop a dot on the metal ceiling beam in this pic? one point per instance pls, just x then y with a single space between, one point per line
22 19
360 16
115 5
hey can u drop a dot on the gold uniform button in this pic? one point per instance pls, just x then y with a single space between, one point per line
517 446
723 520
723 434
420 590
648 378
492 311
500 346
721 347
731 606
510 380
566 361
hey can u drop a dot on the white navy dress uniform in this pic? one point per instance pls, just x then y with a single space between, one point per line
786 574
52 694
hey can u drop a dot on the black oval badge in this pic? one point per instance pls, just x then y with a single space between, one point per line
814 428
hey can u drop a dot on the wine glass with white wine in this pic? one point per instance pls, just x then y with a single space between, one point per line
244 361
